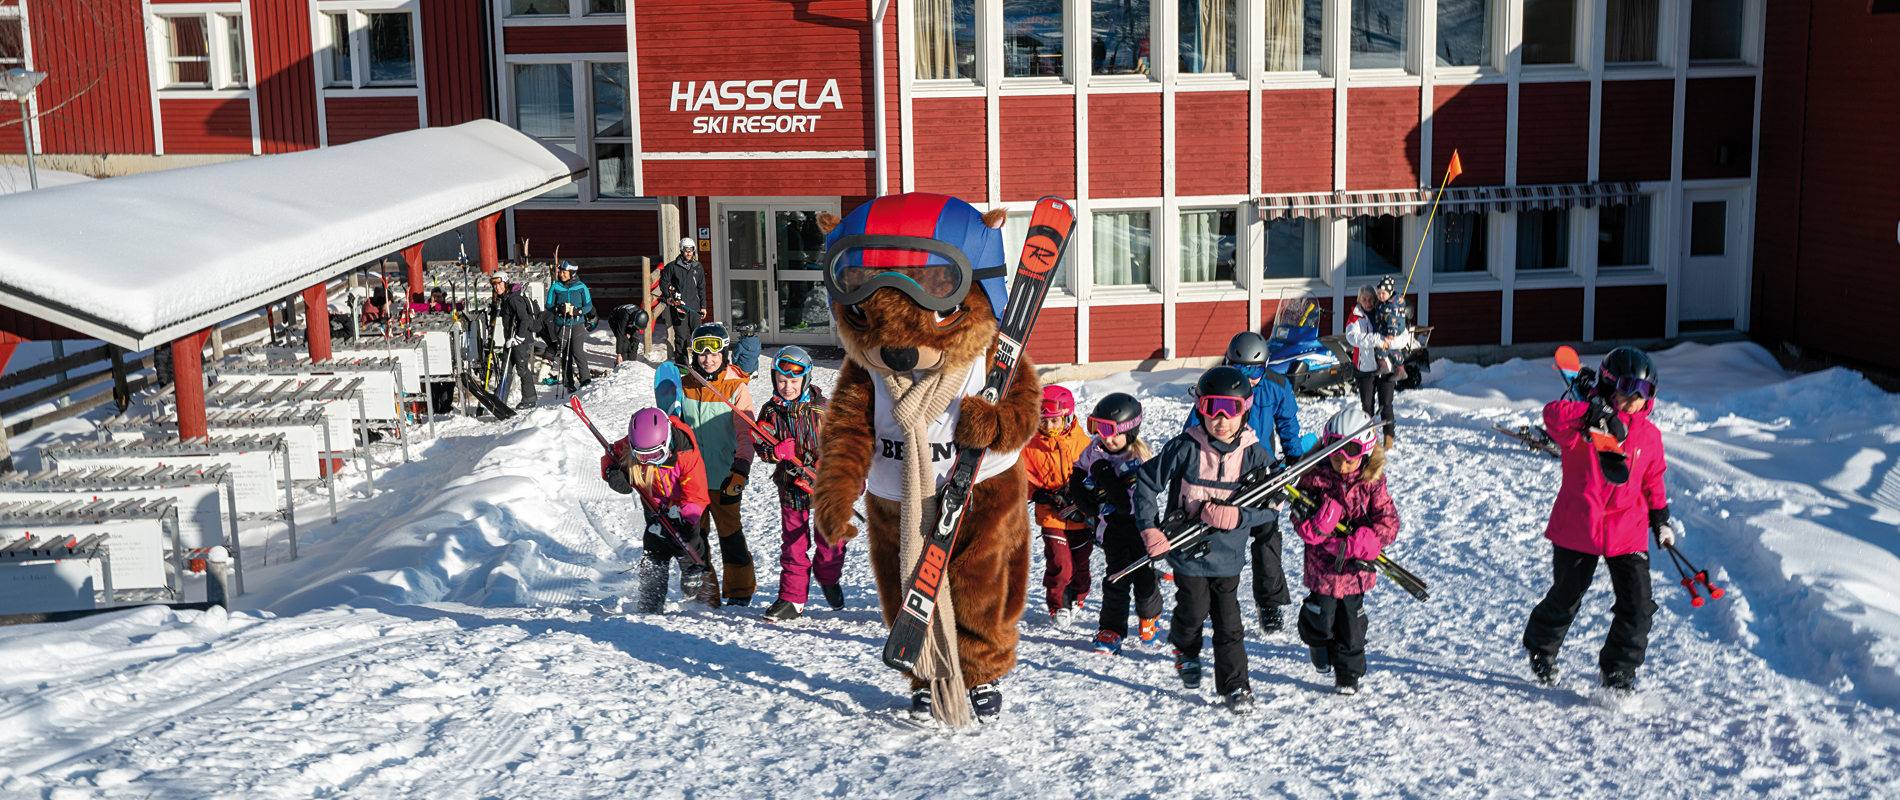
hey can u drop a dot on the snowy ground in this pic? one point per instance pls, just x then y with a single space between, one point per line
461 635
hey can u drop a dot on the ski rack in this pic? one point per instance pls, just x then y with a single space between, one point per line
235 420
99 479
304 369
245 396
205 447
65 544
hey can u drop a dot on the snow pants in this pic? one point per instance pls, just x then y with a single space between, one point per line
740 582
1371 383
570 339
1121 547
796 565
521 361
1571 574
1269 571
1337 626
1195 597
683 326
659 551
1065 559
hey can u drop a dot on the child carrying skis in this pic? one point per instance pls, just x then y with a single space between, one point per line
793 415
1349 488
1103 485
660 459
1198 471
1066 545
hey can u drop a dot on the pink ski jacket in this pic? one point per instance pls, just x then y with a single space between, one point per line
1368 510
1592 515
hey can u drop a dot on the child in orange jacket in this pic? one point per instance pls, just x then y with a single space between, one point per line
1067 544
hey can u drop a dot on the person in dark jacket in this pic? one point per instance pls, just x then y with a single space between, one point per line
683 289
1197 472
569 304
516 320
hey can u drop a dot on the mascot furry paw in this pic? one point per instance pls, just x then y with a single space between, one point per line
916 284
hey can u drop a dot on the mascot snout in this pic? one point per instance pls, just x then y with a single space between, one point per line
899 359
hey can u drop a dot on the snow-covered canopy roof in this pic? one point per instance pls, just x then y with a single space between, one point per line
144 259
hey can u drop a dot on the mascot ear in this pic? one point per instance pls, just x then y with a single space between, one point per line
995 216
827 221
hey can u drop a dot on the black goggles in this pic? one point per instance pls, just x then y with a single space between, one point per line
901 263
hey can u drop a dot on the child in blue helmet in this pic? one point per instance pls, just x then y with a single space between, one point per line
793 416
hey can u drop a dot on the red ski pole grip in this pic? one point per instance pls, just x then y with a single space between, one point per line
1695 600
1715 592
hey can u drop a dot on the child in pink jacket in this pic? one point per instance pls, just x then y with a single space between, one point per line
1349 489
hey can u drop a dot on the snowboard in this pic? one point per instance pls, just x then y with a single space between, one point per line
668 389
489 401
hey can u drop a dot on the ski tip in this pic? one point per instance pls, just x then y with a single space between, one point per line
1567 359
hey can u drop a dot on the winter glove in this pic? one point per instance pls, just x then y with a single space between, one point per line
785 450
1047 497
1318 528
1585 384
1667 531
516 341
732 486
1362 545
1220 517
1154 541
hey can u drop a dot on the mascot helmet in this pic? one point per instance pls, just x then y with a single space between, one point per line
931 247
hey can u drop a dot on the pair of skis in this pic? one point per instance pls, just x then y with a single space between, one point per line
1050 226
653 512
1398 575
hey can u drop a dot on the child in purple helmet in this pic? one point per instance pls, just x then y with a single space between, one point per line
659 458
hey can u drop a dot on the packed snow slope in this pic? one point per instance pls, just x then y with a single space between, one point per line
461 635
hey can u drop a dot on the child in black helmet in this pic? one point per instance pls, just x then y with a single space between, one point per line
1103 486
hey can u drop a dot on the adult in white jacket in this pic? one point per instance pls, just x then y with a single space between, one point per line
1365 362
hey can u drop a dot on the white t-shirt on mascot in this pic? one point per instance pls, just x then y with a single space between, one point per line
887 457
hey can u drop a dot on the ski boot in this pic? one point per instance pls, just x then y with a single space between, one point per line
1189 669
1271 622
1622 681
920 704
1322 660
834 595
784 611
1108 643
739 601
987 701
1062 617
1545 668
1150 630
1240 701
1345 683
525 405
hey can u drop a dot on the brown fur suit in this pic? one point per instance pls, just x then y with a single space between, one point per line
989 566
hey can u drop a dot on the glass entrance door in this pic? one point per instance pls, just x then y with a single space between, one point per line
773 276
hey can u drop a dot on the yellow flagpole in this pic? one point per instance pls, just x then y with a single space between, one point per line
1427 235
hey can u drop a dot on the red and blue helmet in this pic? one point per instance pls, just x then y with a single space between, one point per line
931 247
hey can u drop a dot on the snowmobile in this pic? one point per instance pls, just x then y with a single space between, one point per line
1313 364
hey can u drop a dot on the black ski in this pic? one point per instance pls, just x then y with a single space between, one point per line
488 400
1533 437
1050 226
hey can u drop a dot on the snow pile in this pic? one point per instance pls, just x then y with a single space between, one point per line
14 178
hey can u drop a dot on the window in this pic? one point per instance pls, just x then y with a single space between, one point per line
1374 245
1630 34
1715 30
564 8
544 108
202 51
1464 33
1550 31
1708 228
1543 239
545 103
1124 248
1210 36
1623 234
370 50
1458 246
1293 247
1119 40
1294 35
12 44
1381 34
946 40
613 137
1208 245
1015 228
1032 38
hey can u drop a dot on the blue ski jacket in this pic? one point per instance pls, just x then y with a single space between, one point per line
1274 408
576 293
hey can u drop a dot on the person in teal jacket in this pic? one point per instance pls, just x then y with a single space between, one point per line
569 303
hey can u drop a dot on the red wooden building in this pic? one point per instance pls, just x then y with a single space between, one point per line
1226 153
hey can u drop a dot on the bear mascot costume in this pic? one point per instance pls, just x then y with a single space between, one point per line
916 284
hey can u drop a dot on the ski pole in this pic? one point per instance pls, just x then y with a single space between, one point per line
1676 559
652 511
1700 575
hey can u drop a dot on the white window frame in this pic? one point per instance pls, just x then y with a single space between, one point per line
1496 65
1665 41
26 44
1750 44
1322 229
1084 70
1494 261
1583 42
584 138
217 19
989 17
1240 278
1158 260
1656 201
356 13
576 13
1256 19
1575 218
1416 35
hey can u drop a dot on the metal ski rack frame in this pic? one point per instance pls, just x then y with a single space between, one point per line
210 447
102 479
304 369
251 396
237 421
43 547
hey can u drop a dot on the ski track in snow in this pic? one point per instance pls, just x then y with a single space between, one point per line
461 635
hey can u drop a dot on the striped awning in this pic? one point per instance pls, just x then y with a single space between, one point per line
1482 198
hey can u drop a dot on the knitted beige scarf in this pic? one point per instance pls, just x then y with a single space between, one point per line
915 404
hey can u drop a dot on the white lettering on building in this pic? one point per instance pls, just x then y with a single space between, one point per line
755 95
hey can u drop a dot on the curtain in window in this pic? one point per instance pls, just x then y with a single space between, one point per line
1207 246
1630 34
1285 35
1543 239
1208 38
1459 245
1623 234
1124 248
1373 245
939 49
544 100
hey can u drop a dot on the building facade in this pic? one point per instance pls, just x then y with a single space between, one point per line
1227 155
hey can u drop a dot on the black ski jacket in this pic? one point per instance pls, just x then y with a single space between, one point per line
517 317
686 278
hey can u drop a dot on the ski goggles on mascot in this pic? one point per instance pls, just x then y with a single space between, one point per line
879 246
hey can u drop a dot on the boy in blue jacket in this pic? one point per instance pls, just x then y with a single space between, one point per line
1197 472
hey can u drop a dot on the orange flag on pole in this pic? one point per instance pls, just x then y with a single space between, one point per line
1456 169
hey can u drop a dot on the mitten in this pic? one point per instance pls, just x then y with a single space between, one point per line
785 450
1220 517
1154 541
1363 545
1319 527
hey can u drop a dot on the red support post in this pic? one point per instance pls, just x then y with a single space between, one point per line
316 318
188 371
485 241
6 354
413 255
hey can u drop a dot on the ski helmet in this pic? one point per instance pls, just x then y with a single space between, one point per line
568 266
792 362
1116 413
711 338
931 247
1057 402
1346 424
1223 391
1247 349
649 433
1629 372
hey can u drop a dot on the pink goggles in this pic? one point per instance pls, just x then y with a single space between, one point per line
1105 428
651 455
1353 448
1221 406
